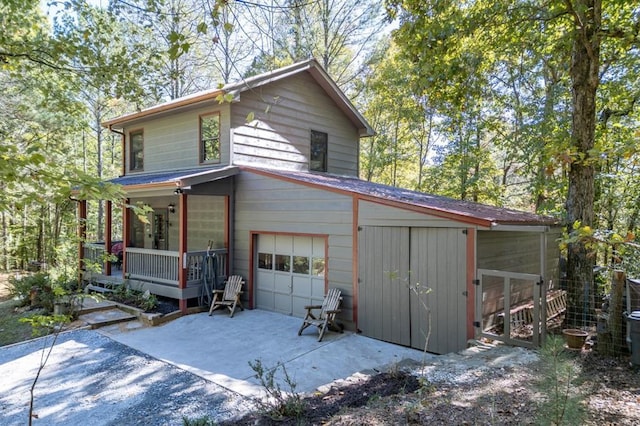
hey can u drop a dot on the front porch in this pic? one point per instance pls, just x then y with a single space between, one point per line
158 270
178 210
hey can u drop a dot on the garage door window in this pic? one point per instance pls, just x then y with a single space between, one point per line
318 267
301 265
283 262
265 261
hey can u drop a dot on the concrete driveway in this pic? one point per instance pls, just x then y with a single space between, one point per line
219 349
192 367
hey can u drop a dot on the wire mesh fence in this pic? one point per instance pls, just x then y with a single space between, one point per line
597 312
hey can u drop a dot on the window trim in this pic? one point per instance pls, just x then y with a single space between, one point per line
325 165
132 133
201 150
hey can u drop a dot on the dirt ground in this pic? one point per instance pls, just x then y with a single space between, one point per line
610 390
4 287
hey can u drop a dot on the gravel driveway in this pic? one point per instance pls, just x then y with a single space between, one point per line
91 379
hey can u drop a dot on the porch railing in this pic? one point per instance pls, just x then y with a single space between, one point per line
161 266
94 253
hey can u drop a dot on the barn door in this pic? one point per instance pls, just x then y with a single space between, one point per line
383 298
411 285
438 280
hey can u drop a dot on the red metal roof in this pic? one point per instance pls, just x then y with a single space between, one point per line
465 211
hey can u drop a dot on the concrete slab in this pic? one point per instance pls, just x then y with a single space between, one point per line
106 317
220 348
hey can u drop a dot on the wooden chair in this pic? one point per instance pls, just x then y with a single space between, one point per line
229 297
327 315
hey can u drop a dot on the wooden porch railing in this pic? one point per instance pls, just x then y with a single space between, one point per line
161 266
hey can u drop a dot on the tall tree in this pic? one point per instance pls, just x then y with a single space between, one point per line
445 32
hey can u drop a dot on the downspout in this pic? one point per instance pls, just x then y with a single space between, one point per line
125 217
122 139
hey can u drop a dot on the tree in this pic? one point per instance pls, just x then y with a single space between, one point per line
438 34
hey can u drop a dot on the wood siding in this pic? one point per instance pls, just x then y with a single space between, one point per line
375 214
274 206
284 113
171 141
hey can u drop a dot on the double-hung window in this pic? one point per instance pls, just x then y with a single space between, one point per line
136 150
210 138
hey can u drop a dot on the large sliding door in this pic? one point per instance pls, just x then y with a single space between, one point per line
412 286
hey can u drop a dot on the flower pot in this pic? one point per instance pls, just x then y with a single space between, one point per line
574 337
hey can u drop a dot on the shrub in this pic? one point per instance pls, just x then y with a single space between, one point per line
35 290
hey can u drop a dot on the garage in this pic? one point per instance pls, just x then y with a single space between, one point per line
290 272
412 284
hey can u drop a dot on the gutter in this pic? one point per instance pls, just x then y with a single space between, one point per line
519 228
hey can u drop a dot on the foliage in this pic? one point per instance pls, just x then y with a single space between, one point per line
200 421
35 290
561 402
128 296
278 404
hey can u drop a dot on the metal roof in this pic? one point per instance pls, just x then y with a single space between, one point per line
465 211
177 178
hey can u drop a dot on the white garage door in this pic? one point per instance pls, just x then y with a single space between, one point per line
290 273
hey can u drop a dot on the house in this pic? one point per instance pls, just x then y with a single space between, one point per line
264 173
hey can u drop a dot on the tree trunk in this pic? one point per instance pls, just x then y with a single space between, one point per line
580 199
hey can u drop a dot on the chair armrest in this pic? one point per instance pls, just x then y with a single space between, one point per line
218 291
334 312
313 307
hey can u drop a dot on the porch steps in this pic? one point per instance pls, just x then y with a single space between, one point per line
106 317
100 313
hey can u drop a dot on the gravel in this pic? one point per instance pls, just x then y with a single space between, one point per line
91 379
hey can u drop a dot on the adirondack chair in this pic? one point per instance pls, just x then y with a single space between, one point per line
327 315
229 297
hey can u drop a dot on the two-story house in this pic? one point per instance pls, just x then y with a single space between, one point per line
265 173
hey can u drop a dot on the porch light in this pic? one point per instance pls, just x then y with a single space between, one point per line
172 208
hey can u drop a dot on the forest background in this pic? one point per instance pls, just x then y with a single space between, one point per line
517 103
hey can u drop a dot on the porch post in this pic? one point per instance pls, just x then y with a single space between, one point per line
82 236
182 249
126 234
107 235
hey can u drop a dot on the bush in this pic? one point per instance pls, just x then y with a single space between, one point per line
35 290
128 296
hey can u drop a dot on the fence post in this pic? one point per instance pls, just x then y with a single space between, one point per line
611 341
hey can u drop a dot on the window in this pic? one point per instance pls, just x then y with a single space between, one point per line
136 150
318 156
210 138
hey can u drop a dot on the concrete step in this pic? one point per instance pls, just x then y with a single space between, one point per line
102 318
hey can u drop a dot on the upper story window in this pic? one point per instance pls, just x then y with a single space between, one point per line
318 155
210 138
136 150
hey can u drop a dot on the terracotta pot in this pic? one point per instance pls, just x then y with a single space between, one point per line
574 337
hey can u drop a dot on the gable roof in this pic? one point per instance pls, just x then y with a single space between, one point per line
464 211
235 89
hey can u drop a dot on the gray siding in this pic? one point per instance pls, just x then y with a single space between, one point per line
515 252
264 204
171 142
285 112
375 214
